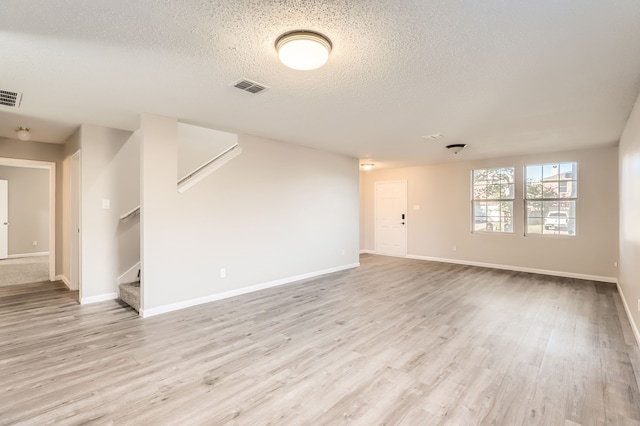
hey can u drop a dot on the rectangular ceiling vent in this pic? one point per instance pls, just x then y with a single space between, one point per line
250 86
10 99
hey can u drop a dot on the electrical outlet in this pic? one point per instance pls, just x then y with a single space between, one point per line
454 248
223 272
34 243
615 264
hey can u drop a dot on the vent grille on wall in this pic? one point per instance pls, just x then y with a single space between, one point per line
10 99
250 86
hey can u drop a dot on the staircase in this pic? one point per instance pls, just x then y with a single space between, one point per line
193 145
130 294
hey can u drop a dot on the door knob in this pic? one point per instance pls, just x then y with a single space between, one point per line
6 223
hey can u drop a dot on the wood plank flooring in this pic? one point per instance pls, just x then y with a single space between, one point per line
395 341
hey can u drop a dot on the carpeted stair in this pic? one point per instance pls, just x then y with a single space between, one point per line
130 294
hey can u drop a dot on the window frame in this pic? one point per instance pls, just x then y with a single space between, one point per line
502 199
572 231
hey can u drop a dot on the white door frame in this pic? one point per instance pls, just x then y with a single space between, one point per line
51 166
75 223
375 214
4 219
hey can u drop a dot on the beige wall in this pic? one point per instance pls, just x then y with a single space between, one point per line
629 271
28 209
28 150
276 211
444 219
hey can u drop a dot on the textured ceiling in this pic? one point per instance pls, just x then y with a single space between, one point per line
504 77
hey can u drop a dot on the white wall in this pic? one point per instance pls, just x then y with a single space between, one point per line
444 219
629 268
28 209
109 171
198 145
276 211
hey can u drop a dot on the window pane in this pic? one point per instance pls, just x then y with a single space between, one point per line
568 169
509 174
550 172
550 190
512 191
534 209
493 191
479 176
534 226
533 173
479 192
534 190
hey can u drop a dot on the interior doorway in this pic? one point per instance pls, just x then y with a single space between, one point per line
30 256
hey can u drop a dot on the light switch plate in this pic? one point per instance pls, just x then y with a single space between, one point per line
106 204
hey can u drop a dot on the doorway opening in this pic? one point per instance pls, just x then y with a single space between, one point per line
28 245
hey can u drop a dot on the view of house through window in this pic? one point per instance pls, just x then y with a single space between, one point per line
492 199
550 198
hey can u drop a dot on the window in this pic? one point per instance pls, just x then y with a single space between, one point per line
492 199
550 198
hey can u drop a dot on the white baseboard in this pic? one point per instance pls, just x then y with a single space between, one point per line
518 269
634 327
99 298
64 280
367 252
15 256
145 313
130 275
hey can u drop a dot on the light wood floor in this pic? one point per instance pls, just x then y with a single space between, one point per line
395 341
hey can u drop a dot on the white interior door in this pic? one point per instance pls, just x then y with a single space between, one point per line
4 219
74 210
390 220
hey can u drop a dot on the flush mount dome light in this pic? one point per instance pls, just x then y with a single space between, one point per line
367 166
303 50
23 133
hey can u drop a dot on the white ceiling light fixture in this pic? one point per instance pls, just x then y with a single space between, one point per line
23 133
303 50
456 147
367 166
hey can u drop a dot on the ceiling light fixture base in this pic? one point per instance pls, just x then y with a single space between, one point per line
456 147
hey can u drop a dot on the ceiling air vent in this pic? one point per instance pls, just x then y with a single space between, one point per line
10 99
250 86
